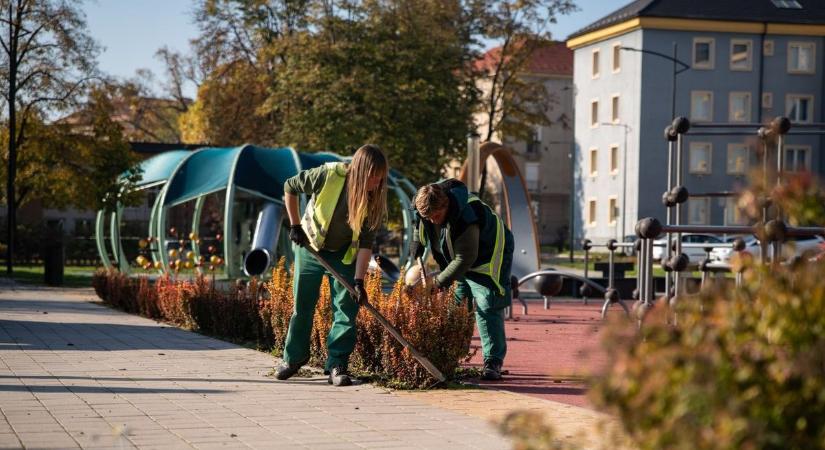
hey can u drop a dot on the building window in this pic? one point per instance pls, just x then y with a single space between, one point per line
595 72
767 100
614 108
738 157
617 57
801 57
612 211
531 176
700 157
767 47
614 159
594 162
741 54
703 53
739 107
799 108
787 4
797 158
534 145
594 113
733 215
699 210
701 106
591 212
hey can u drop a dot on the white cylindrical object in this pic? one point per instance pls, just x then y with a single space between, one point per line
473 163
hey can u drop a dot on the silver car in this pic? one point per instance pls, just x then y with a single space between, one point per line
694 254
794 247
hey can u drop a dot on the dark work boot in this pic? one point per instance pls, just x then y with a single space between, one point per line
286 370
491 370
338 376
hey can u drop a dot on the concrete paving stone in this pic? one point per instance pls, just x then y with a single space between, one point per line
9 440
385 444
23 427
220 445
50 439
336 446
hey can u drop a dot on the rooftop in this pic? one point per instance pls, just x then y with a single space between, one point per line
810 12
550 58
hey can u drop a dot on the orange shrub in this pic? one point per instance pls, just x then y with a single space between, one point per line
436 325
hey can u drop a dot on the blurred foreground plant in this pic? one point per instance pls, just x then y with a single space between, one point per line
746 371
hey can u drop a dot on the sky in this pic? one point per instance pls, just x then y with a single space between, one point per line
131 31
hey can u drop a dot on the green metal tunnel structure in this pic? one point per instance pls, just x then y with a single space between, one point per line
221 198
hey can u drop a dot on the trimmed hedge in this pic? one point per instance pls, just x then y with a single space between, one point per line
260 312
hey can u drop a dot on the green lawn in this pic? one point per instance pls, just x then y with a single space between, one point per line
73 276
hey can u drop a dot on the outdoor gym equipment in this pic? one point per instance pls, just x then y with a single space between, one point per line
611 295
381 319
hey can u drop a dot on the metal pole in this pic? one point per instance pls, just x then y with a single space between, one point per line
669 218
624 184
571 236
780 167
473 164
677 282
673 86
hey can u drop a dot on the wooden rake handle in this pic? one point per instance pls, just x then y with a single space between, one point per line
381 319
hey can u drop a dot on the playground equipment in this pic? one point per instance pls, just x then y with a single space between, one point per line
515 206
230 201
772 231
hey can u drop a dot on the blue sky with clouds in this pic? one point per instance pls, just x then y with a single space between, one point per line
131 31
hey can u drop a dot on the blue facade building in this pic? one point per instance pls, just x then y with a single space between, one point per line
745 61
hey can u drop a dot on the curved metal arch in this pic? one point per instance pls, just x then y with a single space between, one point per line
160 225
231 270
516 199
100 240
573 276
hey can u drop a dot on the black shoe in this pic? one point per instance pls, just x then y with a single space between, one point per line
338 376
285 371
491 371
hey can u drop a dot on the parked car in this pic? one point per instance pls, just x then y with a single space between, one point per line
794 247
694 254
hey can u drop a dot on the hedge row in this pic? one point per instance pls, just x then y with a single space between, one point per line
259 312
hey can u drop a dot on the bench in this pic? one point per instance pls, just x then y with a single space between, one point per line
619 269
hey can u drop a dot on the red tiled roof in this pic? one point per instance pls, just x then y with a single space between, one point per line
551 58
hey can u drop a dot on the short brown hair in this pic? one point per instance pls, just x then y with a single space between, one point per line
429 198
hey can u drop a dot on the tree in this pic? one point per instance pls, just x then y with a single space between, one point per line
71 164
47 58
393 73
514 102
227 110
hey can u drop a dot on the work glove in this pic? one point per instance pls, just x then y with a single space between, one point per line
361 292
297 235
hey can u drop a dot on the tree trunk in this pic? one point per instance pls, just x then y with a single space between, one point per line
11 205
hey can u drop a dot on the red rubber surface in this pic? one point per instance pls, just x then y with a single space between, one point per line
545 348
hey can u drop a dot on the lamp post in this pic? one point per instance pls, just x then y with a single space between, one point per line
676 71
624 172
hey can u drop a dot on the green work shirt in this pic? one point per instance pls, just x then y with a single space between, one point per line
466 251
339 235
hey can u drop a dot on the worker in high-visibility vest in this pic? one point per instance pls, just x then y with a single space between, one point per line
348 204
473 247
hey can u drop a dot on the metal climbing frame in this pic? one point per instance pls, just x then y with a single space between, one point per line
772 234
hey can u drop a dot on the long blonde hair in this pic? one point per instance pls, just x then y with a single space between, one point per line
369 160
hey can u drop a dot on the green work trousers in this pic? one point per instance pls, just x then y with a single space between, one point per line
306 288
490 305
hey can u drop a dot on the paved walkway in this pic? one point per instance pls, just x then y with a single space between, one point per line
77 374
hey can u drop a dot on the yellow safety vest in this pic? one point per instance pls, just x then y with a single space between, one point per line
492 268
321 206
